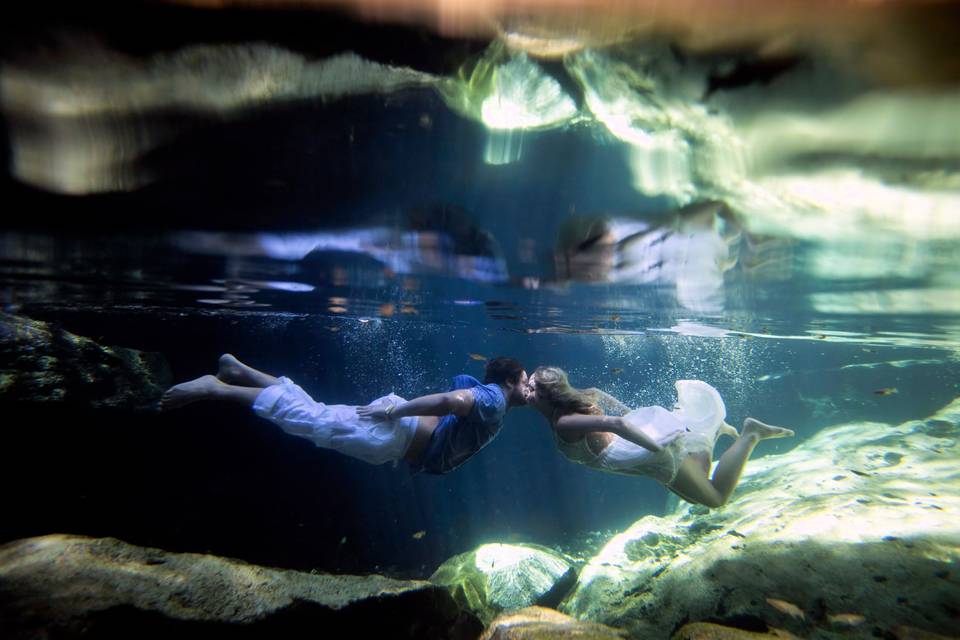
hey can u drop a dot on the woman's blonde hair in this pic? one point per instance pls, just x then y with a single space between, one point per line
553 383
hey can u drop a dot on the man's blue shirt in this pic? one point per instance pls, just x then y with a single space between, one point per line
457 438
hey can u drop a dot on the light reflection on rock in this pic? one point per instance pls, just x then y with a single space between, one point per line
860 518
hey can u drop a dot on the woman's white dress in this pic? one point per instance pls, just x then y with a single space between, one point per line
691 427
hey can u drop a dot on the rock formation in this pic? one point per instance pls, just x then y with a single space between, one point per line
855 533
65 586
40 362
504 577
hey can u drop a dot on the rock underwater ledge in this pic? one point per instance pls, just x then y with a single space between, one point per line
66 586
41 362
855 533
495 578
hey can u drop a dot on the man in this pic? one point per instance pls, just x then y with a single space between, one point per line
434 433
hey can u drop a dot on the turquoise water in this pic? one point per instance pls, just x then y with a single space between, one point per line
373 223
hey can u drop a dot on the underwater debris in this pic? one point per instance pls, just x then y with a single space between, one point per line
478 357
713 631
386 310
531 623
886 391
788 608
938 428
903 632
846 619
419 534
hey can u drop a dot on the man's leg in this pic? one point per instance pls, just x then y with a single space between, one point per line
234 372
207 388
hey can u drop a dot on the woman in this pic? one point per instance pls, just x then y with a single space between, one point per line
674 447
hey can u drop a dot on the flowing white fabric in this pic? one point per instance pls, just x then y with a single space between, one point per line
691 427
336 426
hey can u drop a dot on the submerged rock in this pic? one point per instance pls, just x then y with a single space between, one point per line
903 632
63 586
710 631
854 532
40 362
501 577
539 623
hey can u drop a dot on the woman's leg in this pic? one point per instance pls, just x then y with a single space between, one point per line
234 372
207 388
692 483
727 430
704 459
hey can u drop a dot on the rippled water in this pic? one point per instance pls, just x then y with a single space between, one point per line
622 188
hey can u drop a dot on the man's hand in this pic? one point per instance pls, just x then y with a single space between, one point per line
458 402
375 412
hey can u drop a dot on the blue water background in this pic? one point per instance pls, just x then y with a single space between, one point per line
217 479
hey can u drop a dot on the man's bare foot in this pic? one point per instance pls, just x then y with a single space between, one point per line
232 371
186 392
763 431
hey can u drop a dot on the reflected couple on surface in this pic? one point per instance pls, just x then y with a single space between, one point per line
439 432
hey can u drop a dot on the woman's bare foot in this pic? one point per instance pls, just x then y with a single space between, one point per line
186 392
763 431
728 430
232 371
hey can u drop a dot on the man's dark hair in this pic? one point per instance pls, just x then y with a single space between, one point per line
503 369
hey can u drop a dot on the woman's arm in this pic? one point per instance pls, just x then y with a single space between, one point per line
458 403
579 423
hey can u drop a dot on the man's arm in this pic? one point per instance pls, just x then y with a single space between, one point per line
458 403
582 424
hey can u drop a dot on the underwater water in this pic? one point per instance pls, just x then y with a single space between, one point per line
370 208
